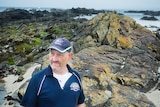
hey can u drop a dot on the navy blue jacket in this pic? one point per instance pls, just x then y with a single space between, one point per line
44 90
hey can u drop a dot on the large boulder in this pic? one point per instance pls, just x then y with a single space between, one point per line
117 60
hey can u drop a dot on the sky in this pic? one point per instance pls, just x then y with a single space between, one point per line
96 4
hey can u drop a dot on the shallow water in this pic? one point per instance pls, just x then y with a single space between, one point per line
3 93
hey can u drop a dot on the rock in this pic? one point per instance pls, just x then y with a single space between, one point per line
100 67
115 73
113 51
157 33
14 14
22 90
105 29
127 97
148 18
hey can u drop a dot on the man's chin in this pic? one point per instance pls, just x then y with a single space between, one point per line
55 66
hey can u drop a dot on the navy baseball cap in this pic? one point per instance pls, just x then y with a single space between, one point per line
61 45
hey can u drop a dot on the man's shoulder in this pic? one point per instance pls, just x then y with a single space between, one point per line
75 71
72 70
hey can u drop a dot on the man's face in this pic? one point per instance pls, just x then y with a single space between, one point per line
59 60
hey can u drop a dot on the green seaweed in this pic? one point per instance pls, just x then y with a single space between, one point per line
23 48
57 30
10 61
43 33
36 41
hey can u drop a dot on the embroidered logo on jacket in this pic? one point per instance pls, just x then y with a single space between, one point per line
75 86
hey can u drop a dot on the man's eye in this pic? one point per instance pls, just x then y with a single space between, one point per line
60 54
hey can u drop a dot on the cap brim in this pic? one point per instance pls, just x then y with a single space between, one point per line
59 49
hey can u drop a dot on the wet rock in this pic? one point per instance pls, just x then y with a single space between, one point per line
149 18
111 52
101 69
121 98
14 14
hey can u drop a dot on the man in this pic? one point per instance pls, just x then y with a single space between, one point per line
58 85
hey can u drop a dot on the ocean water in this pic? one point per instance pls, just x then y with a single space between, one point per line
3 93
149 24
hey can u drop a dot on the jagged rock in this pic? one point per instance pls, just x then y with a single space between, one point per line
14 14
115 73
149 18
105 29
127 97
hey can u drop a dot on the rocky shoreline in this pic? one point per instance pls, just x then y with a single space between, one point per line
118 59
12 87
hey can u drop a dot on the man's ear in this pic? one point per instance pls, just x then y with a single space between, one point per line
70 55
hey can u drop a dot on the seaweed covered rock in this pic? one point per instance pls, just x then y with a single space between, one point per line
117 61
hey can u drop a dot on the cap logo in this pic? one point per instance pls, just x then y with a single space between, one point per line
58 42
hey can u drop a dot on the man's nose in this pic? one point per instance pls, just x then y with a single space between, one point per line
54 57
